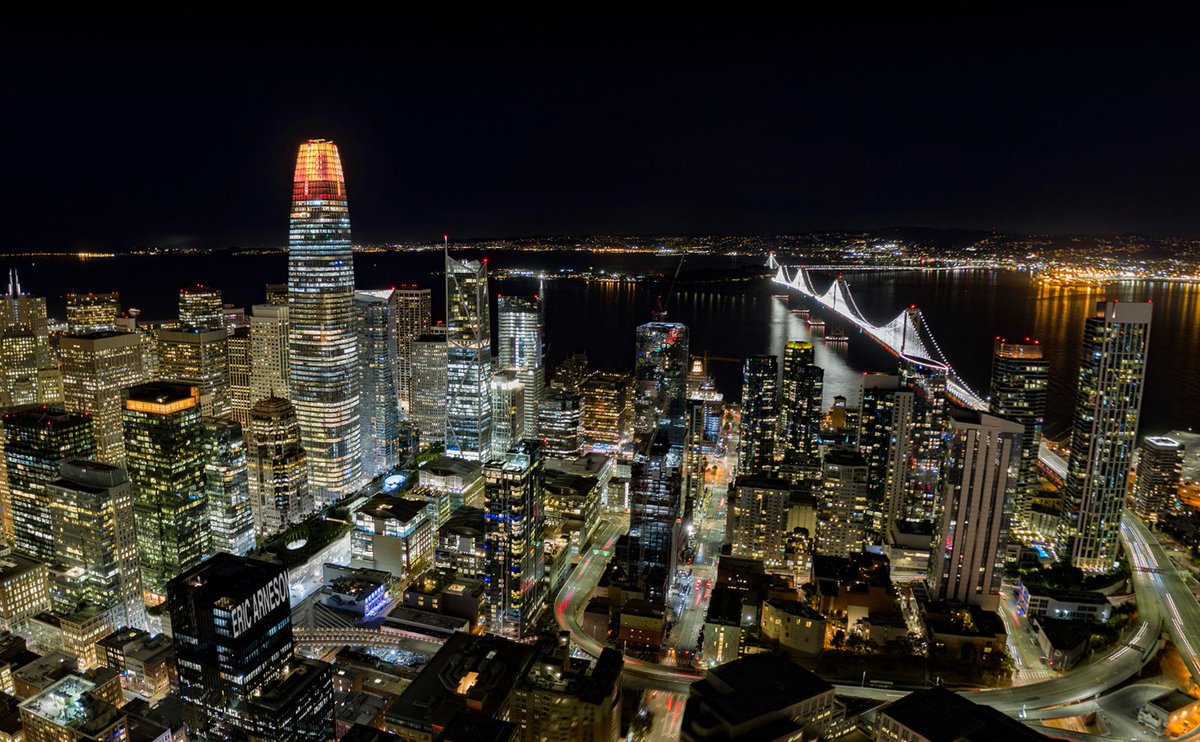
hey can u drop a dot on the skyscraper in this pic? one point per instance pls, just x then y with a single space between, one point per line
200 308
760 416
164 445
521 340
413 310
1104 431
429 386
982 471
1159 470
378 360
277 467
660 378
926 380
607 410
655 512
238 675
1020 376
560 423
322 342
35 442
28 374
842 510
800 402
90 312
200 358
96 367
230 516
270 373
885 440
95 532
241 364
468 360
514 532
508 410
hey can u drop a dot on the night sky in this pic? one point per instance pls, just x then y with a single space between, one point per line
184 134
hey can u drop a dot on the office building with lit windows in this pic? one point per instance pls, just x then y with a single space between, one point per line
842 507
981 475
508 410
760 416
87 313
95 532
36 440
378 359
241 363
607 411
238 675
655 512
323 346
413 316
199 358
560 424
1112 374
277 468
917 496
28 374
429 386
521 341
468 361
164 443
757 518
800 404
1020 379
24 590
514 533
660 379
885 422
270 374
1156 486
200 308
96 367
230 515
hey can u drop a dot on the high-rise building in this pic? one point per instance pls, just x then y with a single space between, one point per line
884 440
96 367
760 416
277 294
566 698
238 675
322 344
655 512
95 532
560 423
270 374
570 375
413 311
982 471
88 313
514 532
468 360
241 364
607 409
28 374
24 591
36 441
842 510
429 386
508 410
757 519
230 515
521 337
800 402
922 477
1112 376
1156 487
199 358
277 467
378 358
164 446
200 308
660 376
1020 377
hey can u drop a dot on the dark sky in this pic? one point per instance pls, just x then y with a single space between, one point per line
185 133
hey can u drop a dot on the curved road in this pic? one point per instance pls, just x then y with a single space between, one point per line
1154 585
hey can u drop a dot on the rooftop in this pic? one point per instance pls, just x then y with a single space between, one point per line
1173 701
753 687
941 715
386 506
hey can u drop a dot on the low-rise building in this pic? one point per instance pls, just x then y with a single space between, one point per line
1171 713
360 596
393 534
1071 605
451 483
564 698
642 626
760 697
438 592
460 543
1063 643
74 708
795 626
146 663
941 714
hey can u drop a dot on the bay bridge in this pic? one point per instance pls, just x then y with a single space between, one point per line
907 335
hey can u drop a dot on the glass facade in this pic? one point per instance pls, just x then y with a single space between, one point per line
96 368
322 342
514 533
468 361
1020 377
660 379
801 393
230 517
521 340
760 416
278 467
378 357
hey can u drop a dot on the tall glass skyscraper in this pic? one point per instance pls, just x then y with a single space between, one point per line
1020 377
760 416
468 361
800 403
323 346
660 379
1104 431
522 340
378 354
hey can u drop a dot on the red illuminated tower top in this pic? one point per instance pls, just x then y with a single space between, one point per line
318 172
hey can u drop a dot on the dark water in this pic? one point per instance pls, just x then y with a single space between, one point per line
965 311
